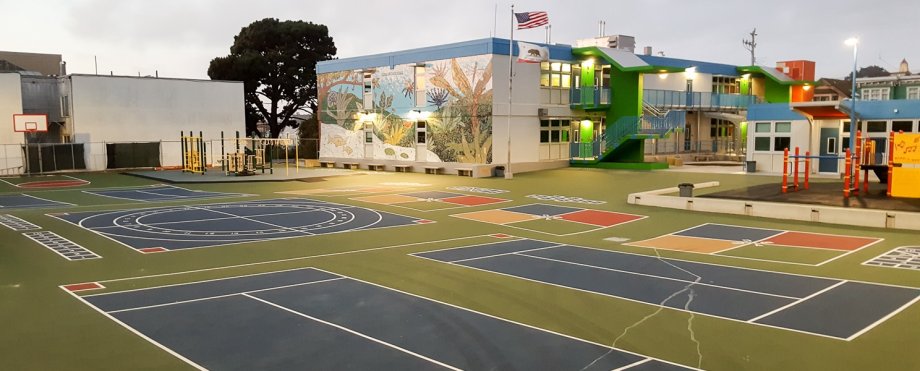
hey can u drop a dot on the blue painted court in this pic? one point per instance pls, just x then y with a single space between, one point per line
311 319
22 201
834 308
160 193
193 226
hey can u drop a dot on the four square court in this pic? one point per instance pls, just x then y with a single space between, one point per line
431 200
312 319
834 308
759 243
551 219
188 226
24 201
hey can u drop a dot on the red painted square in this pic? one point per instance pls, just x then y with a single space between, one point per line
148 250
473 200
84 286
821 241
599 218
424 221
501 235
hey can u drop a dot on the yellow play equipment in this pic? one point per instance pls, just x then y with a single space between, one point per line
194 151
904 163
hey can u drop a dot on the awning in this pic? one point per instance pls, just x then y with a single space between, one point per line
821 110
734 118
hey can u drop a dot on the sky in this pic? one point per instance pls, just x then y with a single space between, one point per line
179 38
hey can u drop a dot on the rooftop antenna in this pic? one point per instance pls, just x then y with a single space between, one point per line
751 44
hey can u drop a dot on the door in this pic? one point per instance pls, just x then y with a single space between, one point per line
829 148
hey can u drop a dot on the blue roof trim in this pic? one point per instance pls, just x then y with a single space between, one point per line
701 67
773 112
433 53
885 109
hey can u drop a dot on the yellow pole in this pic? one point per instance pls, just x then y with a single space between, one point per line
286 161
297 158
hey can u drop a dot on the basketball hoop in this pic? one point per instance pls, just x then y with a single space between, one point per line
30 123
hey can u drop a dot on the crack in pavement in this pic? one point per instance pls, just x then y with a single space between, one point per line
661 307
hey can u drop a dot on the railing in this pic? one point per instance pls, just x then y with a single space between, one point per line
673 99
591 96
663 125
585 150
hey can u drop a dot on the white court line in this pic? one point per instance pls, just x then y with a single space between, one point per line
189 283
889 252
629 299
220 296
634 364
56 203
138 333
503 254
505 319
883 319
877 240
290 259
95 193
353 332
659 277
797 302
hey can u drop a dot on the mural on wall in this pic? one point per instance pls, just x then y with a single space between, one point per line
458 110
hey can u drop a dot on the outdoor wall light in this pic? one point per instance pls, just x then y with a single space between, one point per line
690 72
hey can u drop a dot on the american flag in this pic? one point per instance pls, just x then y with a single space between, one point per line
531 20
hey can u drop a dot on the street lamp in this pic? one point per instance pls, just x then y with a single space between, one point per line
854 42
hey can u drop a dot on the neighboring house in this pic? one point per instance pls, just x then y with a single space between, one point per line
585 106
827 89
38 63
99 122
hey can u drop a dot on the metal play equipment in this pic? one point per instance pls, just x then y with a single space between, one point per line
252 154
194 153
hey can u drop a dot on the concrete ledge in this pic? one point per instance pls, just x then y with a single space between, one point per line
776 210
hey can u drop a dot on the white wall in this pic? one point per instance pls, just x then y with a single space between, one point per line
525 123
772 161
129 109
10 103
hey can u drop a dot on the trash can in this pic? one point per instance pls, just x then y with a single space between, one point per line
750 166
686 189
498 171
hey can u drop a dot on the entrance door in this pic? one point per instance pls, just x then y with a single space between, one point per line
829 147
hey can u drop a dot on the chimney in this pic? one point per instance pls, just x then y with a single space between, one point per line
647 50
63 68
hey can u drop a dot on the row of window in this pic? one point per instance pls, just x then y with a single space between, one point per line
555 131
913 92
772 136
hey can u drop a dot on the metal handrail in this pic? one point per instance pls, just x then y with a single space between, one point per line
689 99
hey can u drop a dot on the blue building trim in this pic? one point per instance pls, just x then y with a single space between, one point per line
439 52
885 109
773 112
701 67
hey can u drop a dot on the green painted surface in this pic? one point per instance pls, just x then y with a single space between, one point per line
623 165
48 329
586 131
775 92
745 86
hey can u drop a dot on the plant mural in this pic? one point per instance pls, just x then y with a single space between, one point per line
458 95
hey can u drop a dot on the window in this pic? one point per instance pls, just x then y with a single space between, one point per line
368 136
780 143
555 74
905 126
831 147
762 143
719 128
554 131
913 92
875 93
877 127
762 127
65 106
783 127
368 99
725 85
421 137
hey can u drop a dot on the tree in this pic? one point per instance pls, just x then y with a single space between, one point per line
276 61
870 71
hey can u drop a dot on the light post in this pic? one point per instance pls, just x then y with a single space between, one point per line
854 42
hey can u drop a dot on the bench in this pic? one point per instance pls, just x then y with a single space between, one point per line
351 165
402 168
465 172
433 170
327 164
376 167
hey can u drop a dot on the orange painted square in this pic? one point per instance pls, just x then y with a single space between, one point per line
386 199
496 216
821 241
685 243
599 217
473 200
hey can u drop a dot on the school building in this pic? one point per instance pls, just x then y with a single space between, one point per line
593 104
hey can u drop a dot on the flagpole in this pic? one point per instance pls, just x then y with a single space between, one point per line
508 174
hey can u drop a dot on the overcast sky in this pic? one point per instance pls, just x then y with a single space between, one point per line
179 38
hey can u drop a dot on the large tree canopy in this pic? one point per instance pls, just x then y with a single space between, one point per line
870 71
277 62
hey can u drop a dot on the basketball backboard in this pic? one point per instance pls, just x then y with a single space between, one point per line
30 123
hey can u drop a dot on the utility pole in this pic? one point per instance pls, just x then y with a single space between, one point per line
751 44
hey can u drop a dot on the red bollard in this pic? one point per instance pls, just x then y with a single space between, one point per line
807 168
795 171
857 160
785 168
